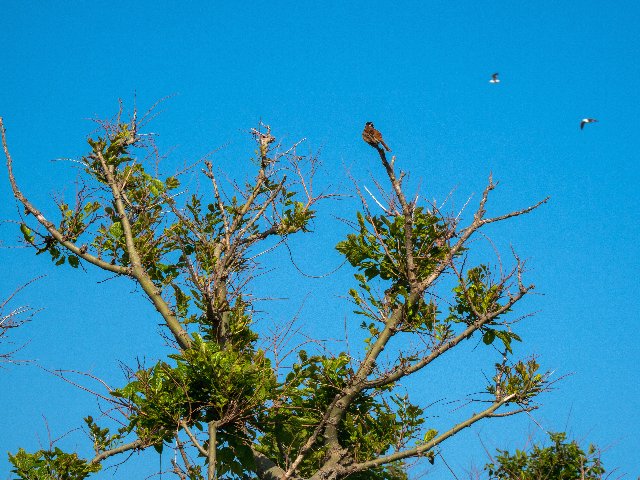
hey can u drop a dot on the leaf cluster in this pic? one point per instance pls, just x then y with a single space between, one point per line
372 425
561 460
378 247
476 297
51 465
206 384
521 379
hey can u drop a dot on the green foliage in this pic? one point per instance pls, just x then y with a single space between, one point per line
206 384
102 441
75 220
372 424
235 458
145 200
522 379
476 296
308 389
378 251
419 316
114 149
561 460
27 233
378 248
239 322
295 218
51 465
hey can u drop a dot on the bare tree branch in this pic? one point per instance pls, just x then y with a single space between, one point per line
135 445
193 438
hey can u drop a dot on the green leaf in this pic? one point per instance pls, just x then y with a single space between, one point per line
430 435
26 233
172 183
489 336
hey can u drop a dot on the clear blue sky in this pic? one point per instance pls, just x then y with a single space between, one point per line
319 70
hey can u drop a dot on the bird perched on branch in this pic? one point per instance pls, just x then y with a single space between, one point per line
587 120
373 137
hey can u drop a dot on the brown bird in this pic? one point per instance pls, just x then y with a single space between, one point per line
373 137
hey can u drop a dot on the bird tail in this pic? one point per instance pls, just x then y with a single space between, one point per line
385 146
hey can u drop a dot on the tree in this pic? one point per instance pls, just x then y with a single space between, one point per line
225 404
561 460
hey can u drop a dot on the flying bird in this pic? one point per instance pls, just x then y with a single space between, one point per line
587 120
373 137
494 78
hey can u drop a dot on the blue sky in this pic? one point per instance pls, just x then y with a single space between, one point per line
319 70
